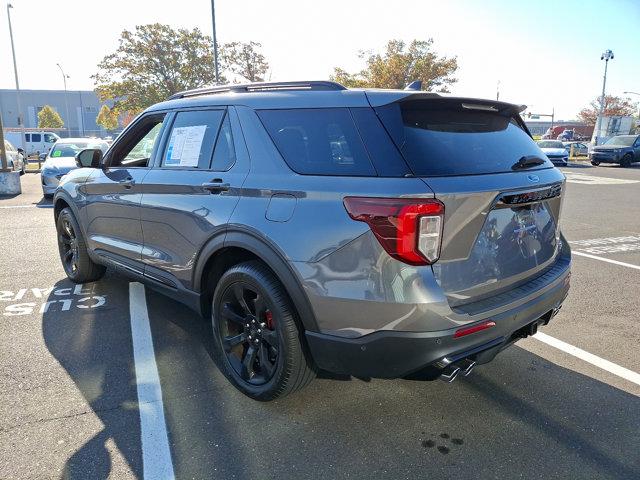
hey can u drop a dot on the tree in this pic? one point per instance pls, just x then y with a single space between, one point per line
108 118
400 65
613 106
245 60
49 118
152 63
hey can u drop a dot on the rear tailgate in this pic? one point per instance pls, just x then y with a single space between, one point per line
502 196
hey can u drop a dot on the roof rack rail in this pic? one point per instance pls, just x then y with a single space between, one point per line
259 87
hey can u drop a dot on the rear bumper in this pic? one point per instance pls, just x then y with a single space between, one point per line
394 354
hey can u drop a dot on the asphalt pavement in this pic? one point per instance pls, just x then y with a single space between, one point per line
70 382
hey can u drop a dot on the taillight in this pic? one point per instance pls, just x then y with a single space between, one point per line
409 229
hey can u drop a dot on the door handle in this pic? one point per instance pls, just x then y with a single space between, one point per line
216 186
127 182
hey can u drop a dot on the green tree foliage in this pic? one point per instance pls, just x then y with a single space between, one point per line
400 65
244 59
155 61
152 63
49 118
613 106
107 118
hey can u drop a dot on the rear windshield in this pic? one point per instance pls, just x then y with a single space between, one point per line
439 139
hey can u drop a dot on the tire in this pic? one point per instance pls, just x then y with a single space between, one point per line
254 324
24 168
626 160
594 163
73 250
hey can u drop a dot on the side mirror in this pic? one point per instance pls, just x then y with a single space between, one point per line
89 158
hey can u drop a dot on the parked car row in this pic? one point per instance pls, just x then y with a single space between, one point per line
621 149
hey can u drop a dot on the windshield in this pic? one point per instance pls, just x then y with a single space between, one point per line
550 144
69 149
623 141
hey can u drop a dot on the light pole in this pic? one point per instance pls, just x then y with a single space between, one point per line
215 41
606 56
66 100
15 71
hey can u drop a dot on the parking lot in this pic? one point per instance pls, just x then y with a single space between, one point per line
564 404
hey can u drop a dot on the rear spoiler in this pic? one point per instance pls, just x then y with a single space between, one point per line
463 103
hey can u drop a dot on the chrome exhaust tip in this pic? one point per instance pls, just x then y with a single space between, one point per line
466 366
449 374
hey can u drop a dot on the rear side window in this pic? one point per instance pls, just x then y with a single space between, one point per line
192 138
438 139
318 141
36 137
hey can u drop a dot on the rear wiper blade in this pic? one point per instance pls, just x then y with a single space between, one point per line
527 161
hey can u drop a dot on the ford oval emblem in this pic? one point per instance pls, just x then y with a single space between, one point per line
533 178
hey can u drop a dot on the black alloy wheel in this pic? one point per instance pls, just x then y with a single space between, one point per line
257 336
68 242
248 333
73 250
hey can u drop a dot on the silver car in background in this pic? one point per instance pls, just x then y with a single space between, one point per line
61 160
16 160
555 151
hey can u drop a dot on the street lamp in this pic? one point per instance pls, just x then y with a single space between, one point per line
606 56
66 100
15 71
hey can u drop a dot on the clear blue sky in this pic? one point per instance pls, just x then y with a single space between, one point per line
544 53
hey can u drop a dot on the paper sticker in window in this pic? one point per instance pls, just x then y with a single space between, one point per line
184 147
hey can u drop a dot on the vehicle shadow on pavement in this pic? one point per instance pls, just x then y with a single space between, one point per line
520 412
519 416
94 347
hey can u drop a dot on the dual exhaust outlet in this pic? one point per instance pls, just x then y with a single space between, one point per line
451 372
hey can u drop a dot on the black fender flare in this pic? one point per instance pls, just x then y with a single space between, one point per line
271 255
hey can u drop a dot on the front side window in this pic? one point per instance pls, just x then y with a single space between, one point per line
36 137
49 138
192 139
318 141
136 147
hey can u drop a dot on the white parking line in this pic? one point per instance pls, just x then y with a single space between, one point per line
608 260
610 367
27 206
156 456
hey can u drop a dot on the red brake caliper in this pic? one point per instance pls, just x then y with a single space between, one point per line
268 316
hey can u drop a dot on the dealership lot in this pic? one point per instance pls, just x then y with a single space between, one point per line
76 377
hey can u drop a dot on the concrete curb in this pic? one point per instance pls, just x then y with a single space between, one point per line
10 183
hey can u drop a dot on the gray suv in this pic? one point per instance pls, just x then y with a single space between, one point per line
371 233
